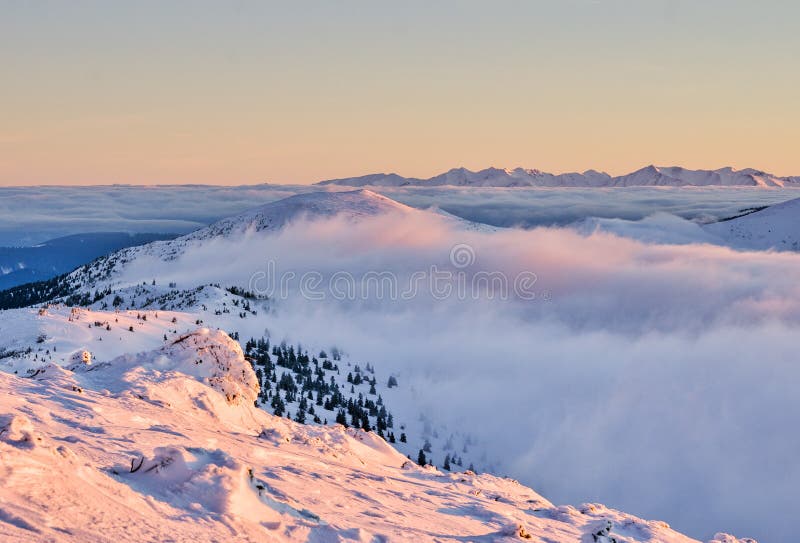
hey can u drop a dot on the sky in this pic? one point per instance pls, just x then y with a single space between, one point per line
295 92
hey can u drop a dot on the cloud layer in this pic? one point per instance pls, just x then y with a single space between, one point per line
30 215
656 378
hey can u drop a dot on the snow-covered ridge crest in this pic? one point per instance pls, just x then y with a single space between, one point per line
649 176
353 205
775 227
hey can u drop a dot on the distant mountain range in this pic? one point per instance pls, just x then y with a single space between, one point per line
649 176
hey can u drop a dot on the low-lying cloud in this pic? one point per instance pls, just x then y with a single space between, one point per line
659 379
30 215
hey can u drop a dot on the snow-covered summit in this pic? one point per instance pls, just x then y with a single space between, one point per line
353 205
520 177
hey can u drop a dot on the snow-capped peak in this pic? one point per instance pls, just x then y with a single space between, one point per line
354 205
650 175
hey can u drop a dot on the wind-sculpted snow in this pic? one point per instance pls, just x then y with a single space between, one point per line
130 452
216 359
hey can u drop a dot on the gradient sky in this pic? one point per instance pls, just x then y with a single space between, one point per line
295 92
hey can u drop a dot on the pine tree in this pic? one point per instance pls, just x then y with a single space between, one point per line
447 462
277 404
421 460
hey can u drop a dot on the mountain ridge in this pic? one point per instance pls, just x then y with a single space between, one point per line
355 204
648 176
774 227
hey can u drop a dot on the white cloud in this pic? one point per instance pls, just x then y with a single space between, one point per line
31 215
657 378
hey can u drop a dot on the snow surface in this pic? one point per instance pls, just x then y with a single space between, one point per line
776 227
656 176
354 205
147 447
31 339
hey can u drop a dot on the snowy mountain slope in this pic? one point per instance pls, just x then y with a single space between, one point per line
31 339
141 448
520 177
20 265
353 205
776 227
94 277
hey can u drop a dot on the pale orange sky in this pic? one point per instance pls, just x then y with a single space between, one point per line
96 92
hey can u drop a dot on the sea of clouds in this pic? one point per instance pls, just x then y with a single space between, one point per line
30 215
658 378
